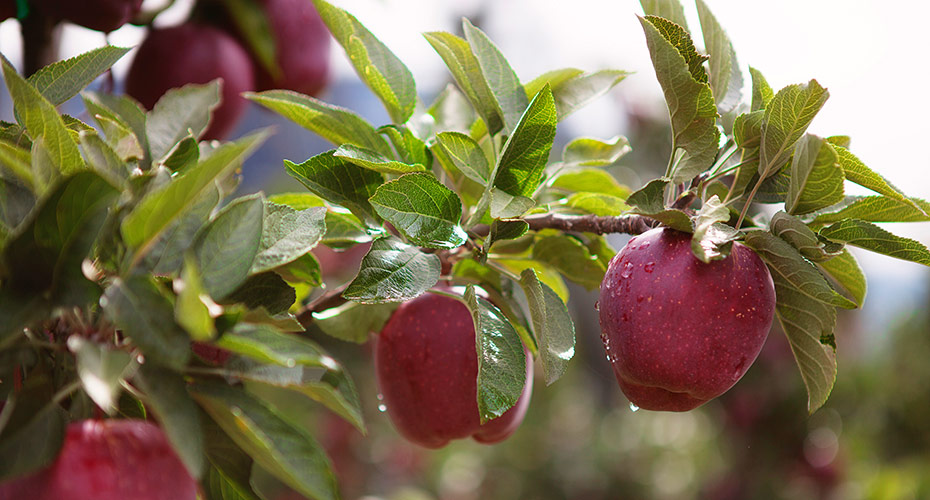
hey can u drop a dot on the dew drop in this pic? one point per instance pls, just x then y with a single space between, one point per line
627 270
649 267
633 407
644 245
382 407
597 305
380 397
290 362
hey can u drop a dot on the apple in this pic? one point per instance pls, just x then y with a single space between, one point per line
193 53
301 47
211 353
7 9
340 266
100 15
679 332
427 369
109 460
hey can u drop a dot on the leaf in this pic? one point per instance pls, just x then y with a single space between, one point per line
544 272
875 209
354 322
183 155
371 160
333 123
667 9
725 79
167 251
265 290
524 155
122 111
589 180
509 97
227 246
166 393
342 229
570 257
786 119
466 71
597 204
552 324
193 306
136 306
409 147
62 80
501 358
42 121
339 181
451 111
229 469
845 270
104 161
871 237
712 239
287 234
100 369
179 113
158 209
375 64
505 229
33 446
800 236
466 155
284 449
18 161
424 210
578 90
816 178
690 99
252 24
649 201
588 152
393 272
789 266
762 94
506 206
747 132
857 172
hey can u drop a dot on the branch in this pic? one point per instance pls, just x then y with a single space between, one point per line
40 41
330 299
627 224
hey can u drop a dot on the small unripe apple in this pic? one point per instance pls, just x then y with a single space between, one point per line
109 460
427 370
193 53
678 331
100 15
301 47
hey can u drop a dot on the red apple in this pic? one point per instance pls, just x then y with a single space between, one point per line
211 353
678 331
109 460
301 47
193 53
427 370
100 15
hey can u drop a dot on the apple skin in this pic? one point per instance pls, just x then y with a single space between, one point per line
302 43
427 370
193 53
100 15
679 332
109 460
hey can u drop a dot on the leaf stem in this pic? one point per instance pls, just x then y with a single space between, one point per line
752 194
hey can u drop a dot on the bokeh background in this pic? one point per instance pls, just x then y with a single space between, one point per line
580 439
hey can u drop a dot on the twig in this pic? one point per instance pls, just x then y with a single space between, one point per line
330 299
627 224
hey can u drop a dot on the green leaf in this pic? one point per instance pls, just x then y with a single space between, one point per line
552 324
287 234
597 203
62 80
371 160
342 229
466 70
266 290
155 213
354 322
573 89
501 358
424 210
125 113
588 152
845 270
786 119
712 239
679 69
466 155
523 158
812 246
871 237
183 155
794 270
167 251
857 172
816 178
506 206
145 315
505 229
266 344
451 111
33 446
375 64
393 272
227 246
229 469
167 395
335 124
509 97
409 147
570 257
104 161
282 448
42 121
747 131
179 113
725 79
544 272
589 180
339 181
876 209
251 22
101 369
762 94
649 201
193 306
16 202
667 9
18 161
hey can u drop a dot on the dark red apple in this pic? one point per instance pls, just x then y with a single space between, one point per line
109 460
340 266
100 15
193 53
7 9
301 47
678 331
427 370
211 353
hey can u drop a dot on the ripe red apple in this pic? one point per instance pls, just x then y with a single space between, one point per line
100 15
680 332
301 47
211 353
193 53
109 460
427 370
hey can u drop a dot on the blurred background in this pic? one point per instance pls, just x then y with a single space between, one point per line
580 439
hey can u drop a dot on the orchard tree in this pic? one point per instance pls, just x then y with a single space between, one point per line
132 287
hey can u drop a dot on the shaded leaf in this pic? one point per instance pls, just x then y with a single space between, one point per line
725 78
573 89
100 369
875 209
339 181
570 257
845 270
712 239
393 272
552 324
193 306
287 234
816 179
178 114
588 152
33 446
871 237
226 247
812 246
424 210
466 155
265 290
354 322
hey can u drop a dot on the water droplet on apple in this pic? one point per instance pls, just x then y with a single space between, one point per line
597 305
633 407
649 267
382 407
644 246
627 270
290 362
380 397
